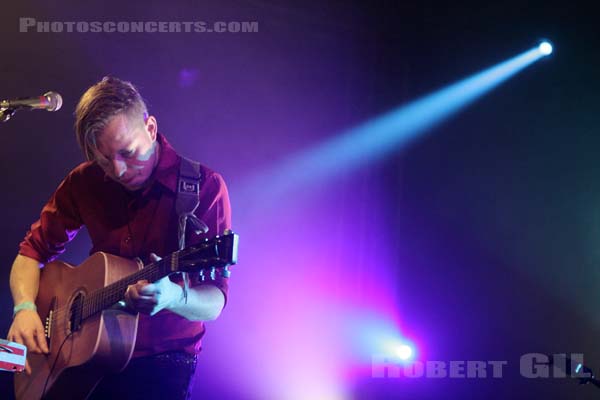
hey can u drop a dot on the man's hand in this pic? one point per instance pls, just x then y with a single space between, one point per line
150 298
27 329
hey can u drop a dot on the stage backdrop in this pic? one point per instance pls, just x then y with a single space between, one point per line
478 240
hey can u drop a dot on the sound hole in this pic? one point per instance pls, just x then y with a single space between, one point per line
75 312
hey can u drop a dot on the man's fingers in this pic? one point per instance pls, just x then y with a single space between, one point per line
27 329
154 257
18 339
31 344
141 291
141 297
27 337
24 339
148 290
41 340
143 300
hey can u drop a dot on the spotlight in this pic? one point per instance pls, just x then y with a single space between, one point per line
545 48
404 352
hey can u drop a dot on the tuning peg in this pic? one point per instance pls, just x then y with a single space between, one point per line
225 272
201 274
213 271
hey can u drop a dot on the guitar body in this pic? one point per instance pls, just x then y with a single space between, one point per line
79 357
88 335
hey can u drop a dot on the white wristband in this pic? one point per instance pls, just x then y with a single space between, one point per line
27 305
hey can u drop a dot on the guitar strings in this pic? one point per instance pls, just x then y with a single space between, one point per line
97 300
94 302
98 296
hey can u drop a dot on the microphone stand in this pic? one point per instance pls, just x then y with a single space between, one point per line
591 378
582 373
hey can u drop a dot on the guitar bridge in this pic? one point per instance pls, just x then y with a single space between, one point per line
48 325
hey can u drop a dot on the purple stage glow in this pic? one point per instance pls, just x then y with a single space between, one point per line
316 276
313 297
188 77
479 242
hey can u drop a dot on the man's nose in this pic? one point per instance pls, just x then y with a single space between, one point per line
119 167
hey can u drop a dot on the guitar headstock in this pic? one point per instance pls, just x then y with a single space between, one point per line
218 252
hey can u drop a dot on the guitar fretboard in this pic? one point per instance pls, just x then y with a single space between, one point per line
106 297
218 252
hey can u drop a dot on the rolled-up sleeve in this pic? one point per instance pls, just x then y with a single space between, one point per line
58 224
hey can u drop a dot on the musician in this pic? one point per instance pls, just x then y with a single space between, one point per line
125 195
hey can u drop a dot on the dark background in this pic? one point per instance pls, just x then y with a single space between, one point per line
495 214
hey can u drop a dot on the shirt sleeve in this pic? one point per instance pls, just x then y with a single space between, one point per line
215 211
58 224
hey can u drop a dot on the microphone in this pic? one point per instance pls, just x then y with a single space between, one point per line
50 101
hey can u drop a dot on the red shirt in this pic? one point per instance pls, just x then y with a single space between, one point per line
132 224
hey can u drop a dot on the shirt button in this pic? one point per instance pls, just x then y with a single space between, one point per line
128 239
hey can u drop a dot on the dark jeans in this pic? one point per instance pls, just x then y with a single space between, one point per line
162 376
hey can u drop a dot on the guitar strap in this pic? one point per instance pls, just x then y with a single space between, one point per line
186 203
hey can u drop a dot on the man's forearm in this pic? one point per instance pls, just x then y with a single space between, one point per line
204 303
24 279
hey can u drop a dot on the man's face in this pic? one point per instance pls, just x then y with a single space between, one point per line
127 150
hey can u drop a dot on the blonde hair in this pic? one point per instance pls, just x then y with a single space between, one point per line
107 98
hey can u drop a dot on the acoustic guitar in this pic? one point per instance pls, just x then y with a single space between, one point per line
88 333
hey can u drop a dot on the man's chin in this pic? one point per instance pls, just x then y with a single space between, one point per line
131 185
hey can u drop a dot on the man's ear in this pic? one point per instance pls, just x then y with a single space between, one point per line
152 127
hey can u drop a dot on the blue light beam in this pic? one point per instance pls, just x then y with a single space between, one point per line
387 133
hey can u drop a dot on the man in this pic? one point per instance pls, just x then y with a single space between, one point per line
125 195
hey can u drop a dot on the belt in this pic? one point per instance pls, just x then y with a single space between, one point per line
173 358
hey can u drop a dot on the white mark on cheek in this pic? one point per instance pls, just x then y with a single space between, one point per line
146 156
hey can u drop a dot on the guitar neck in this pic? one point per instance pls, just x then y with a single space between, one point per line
218 252
106 297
